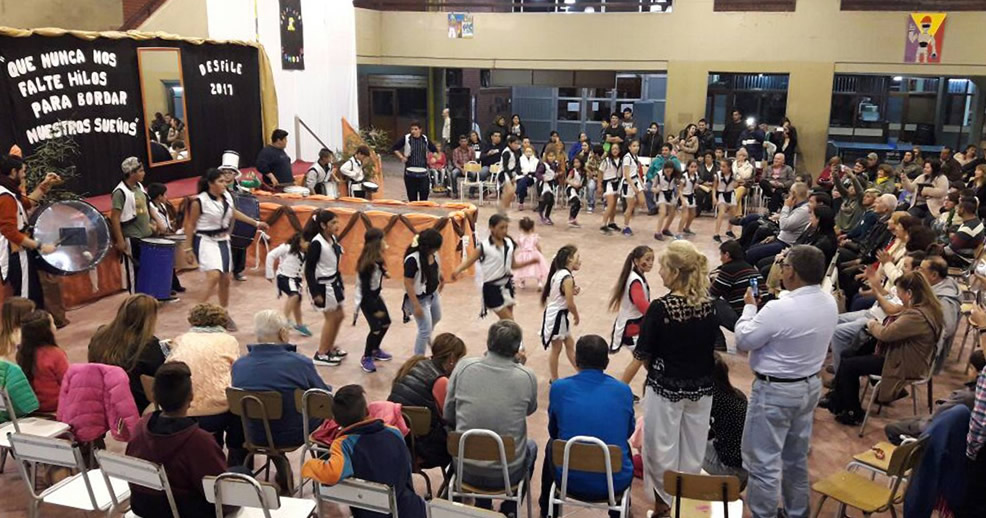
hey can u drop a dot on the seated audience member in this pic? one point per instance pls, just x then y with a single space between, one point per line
723 452
273 364
43 362
436 167
19 389
832 170
885 180
929 191
870 234
961 249
935 271
495 392
461 155
491 153
904 351
819 234
793 220
732 278
975 468
595 404
423 382
855 201
14 309
908 166
367 449
129 343
209 351
171 439
777 181
948 221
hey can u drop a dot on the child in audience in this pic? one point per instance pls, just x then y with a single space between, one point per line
14 309
529 254
369 450
722 452
573 189
43 362
170 438
325 282
593 161
372 272
436 168
290 259
558 299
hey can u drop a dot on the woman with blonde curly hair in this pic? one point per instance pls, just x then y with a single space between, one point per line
675 345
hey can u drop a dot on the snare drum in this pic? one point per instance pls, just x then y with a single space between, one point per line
415 171
370 187
644 160
297 189
157 260
242 233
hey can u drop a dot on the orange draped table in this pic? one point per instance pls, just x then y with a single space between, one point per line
287 214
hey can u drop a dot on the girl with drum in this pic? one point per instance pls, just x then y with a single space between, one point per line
210 218
325 282
17 268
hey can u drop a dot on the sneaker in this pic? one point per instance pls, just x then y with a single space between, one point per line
735 221
652 212
717 239
381 356
169 300
688 232
729 234
239 277
520 206
679 236
574 224
326 359
658 236
547 221
612 226
366 363
303 329
590 210
605 229
230 325
667 232
627 232
339 352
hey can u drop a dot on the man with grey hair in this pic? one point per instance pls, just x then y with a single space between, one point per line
787 346
777 179
130 219
272 364
870 235
495 392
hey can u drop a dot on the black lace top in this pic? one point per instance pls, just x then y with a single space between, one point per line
676 345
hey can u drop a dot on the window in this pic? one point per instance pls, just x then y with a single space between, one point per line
628 87
762 96
413 103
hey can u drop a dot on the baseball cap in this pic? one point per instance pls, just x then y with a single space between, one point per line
130 164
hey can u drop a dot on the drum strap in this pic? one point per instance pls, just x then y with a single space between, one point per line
213 233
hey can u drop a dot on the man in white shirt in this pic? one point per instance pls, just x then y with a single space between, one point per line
787 340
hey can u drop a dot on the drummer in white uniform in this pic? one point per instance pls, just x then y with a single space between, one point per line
352 170
130 220
16 267
207 226
496 260
320 177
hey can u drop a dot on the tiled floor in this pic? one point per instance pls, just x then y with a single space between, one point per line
832 446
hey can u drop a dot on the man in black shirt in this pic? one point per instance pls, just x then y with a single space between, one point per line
706 139
731 133
615 133
273 163
412 149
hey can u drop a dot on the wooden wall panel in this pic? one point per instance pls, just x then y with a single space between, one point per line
914 5
755 5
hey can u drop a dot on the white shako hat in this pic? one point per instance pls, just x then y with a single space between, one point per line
231 161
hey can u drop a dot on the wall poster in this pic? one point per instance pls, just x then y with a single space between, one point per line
925 37
460 25
292 36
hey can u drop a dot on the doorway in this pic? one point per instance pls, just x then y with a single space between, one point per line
383 109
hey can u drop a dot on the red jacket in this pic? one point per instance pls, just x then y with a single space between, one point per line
50 365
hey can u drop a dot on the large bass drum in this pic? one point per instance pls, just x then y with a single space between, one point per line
79 232
242 234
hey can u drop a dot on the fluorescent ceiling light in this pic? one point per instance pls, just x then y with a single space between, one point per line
898 78
590 9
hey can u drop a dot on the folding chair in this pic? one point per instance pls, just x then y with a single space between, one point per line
966 310
440 508
875 380
853 490
418 419
86 490
719 490
590 455
361 494
28 425
256 499
312 403
466 183
488 446
134 471
265 406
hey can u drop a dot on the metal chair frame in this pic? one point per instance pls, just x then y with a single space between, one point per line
612 504
455 482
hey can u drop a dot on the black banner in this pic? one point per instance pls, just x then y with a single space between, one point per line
90 89
292 36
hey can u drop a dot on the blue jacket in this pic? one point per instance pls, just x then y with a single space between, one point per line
372 451
865 224
595 404
277 367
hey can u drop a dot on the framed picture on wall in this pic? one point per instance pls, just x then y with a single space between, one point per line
292 36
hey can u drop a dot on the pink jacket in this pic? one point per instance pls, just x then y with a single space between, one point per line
386 411
96 398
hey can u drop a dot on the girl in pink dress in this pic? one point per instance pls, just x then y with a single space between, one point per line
528 248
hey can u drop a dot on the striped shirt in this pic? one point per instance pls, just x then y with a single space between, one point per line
732 280
977 421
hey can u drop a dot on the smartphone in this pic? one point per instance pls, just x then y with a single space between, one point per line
755 287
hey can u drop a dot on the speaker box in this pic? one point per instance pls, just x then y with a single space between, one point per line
459 105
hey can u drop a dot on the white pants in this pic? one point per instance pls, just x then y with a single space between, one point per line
675 435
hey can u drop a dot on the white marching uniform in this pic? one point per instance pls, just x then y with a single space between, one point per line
510 167
576 178
611 176
319 181
289 269
668 188
211 244
726 189
554 324
353 171
324 279
629 313
548 179
688 185
635 185
128 213
496 264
